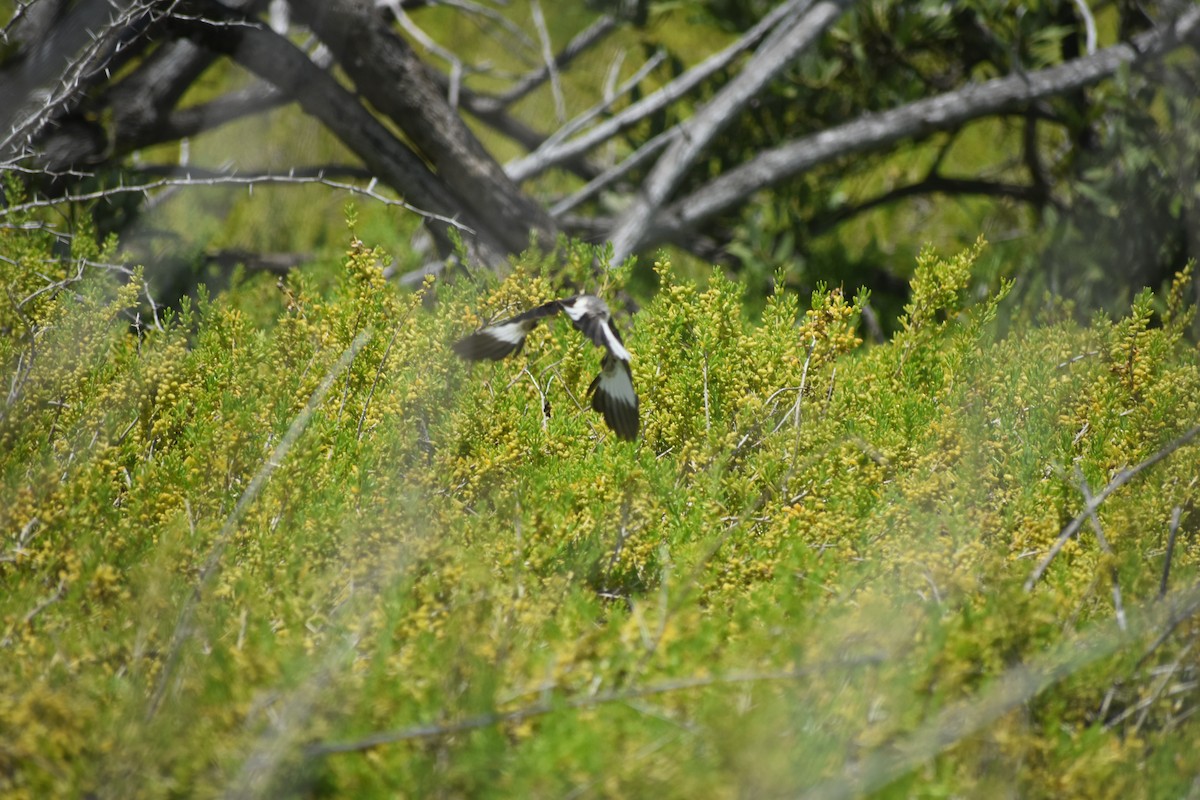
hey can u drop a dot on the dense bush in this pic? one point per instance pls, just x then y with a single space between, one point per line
282 541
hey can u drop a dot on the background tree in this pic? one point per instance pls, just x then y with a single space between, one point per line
811 145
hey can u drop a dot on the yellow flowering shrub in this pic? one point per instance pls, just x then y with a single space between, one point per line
281 541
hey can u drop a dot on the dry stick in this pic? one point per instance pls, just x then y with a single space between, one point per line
1162 586
611 175
184 624
378 372
1144 705
264 767
794 413
1100 537
541 394
539 22
427 42
611 97
1089 25
86 59
439 730
232 179
499 21
1122 478
918 119
1176 617
583 41
957 721
1162 684
41 606
793 37
545 157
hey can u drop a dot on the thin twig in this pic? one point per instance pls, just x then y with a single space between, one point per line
230 179
542 394
426 41
583 41
545 157
578 123
440 730
41 606
96 48
183 626
1175 515
1176 617
958 721
539 22
1104 546
791 37
378 372
1089 25
1162 684
611 175
610 94
1122 478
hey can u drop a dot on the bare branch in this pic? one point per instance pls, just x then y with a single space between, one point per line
90 35
932 184
1089 24
914 120
426 41
439 730
192 176
583 41
697 133
18 19
957 721
1123 477
183 626
278 61
386 71
1162 586
143 99
577 124
610 176
498 20
545 157
1108 551
539 22
235 105
491 109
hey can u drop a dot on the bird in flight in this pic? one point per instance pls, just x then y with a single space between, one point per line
612 390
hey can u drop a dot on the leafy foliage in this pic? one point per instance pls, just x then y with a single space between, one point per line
814 554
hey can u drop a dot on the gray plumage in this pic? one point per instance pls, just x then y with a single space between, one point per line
612 391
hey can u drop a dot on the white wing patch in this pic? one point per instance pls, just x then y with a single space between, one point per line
615 382
611 391
576 310
614 344
511 332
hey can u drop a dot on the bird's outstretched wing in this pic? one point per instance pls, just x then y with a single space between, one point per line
612 391
613 396
501 339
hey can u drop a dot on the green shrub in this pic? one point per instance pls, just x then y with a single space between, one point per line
227 546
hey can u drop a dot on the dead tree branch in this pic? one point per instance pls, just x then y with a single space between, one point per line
1123 477
915 120
696 134
546 157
